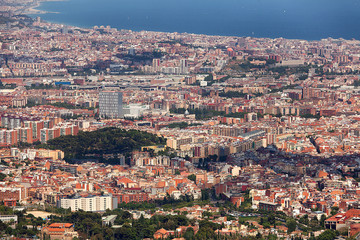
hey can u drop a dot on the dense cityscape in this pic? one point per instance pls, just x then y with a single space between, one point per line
118 134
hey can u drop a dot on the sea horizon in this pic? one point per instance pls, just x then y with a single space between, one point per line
136 17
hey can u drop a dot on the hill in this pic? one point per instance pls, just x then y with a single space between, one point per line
103 141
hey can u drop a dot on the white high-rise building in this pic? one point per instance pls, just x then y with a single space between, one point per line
110 104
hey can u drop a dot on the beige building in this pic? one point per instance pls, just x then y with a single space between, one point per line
59 231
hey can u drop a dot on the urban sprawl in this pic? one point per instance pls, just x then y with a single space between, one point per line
116 134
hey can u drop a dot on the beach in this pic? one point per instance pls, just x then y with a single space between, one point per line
32 9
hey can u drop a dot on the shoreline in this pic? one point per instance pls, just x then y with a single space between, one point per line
32 10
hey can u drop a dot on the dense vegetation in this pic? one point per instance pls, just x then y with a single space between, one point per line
241 65
288 70
2 176
89 225
308 115
32 103
7 86
192 177
182 125
26 226
103 141
233 94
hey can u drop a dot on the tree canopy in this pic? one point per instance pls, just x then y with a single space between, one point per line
102 141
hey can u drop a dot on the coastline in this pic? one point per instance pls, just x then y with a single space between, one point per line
33 8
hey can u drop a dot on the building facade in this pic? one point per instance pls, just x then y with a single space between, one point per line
89 204
110 104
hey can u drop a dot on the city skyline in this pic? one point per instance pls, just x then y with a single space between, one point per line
121 134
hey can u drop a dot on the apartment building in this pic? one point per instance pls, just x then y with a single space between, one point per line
89 203
110 104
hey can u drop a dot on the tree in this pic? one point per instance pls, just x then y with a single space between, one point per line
189 233
180 125
314 222
192 177
205 233
304 219
272 237
303 77
209 78
205 195
327 235
334 210
2 176
125 232
272 220
102 141
322 220
291 225
206 214
3 226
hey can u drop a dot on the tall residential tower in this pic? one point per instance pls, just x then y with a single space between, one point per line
110 104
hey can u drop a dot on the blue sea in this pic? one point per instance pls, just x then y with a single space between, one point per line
292 19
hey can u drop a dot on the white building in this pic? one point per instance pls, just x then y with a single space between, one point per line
89 204
9 218
135 110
